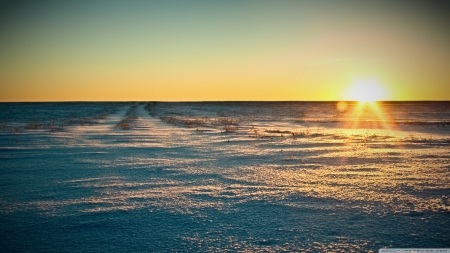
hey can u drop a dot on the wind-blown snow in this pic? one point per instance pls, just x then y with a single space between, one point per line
223 177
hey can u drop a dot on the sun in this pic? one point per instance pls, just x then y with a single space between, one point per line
367 91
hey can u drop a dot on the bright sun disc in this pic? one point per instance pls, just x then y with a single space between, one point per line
367 90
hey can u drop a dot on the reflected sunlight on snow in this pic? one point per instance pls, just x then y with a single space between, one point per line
207 167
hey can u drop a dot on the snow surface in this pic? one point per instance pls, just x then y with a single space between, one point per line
218 177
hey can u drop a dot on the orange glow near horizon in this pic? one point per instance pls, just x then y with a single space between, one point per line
223 51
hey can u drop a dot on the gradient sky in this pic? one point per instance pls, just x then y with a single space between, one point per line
222 50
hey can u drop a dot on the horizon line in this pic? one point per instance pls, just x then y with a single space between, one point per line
205 101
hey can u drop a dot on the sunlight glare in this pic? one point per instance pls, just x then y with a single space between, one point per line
367 90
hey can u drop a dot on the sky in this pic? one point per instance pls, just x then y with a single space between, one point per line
223 50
